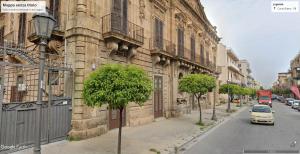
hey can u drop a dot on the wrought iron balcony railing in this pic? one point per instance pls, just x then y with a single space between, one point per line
183 52
112 27
163 46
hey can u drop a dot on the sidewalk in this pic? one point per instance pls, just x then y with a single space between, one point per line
162 136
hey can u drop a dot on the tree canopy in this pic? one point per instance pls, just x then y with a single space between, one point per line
231 89
117 85
197 84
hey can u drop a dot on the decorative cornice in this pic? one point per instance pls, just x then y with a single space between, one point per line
160 4
200 14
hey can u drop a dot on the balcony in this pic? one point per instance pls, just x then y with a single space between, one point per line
130 34
212 66
233 67
57 33
183 53
163 47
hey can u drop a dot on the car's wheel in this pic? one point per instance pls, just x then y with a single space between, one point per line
273 124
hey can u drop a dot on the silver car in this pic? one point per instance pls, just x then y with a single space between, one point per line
295 104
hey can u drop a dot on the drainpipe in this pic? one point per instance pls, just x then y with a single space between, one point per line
172 64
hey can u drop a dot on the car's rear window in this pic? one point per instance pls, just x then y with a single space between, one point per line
264 109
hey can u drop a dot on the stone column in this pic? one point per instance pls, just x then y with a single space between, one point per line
83 43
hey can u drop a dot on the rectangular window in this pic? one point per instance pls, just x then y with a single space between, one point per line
202 54
20 79
22 28
158 42
2 36
215 61
54 10
180 42
53 77
207 58
120 16
193 48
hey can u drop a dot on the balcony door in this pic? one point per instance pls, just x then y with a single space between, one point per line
114 118
2 36
202 55
158 96
22 29
193 49
180 43
119 16
158 34
54 8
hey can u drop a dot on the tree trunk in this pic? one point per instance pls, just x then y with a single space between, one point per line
120 130
229 101
200 111
214 116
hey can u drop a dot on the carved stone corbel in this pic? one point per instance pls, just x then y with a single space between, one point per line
132 52
156 59
167 62
112 47
55 46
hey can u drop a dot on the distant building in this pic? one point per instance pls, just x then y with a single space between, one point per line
227 63
295 70
284 79
246 71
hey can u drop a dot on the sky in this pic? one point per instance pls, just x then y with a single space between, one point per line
268 40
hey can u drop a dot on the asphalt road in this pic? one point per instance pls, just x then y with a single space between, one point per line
238 134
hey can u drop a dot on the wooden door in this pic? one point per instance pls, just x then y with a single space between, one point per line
16 96
114 118
158 96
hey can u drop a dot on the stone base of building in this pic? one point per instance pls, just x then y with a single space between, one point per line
88 133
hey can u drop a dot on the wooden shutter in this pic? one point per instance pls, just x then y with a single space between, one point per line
207 58
125 16
161 34
54 8
182 42
179 42
192 48
22 28
156 33
116 16
202 55
2 36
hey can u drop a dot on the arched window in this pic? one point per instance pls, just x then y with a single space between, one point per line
180 76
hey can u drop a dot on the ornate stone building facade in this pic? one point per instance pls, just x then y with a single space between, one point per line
167 38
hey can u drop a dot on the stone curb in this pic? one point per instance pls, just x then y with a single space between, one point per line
219 122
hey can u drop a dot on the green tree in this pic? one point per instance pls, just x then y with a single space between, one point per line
230 89
244 91
197 85
253 93
116 85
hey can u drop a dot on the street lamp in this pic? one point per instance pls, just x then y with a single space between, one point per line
228 106
43 25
